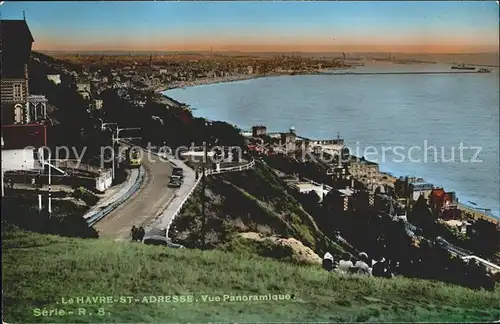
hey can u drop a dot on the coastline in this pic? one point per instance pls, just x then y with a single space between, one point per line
216 80
477 214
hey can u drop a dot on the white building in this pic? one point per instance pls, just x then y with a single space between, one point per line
56 78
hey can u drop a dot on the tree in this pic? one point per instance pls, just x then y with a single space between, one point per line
421 215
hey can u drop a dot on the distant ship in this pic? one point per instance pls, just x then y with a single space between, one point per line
462 67
484 71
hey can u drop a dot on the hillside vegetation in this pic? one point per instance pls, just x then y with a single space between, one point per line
251 201
39 270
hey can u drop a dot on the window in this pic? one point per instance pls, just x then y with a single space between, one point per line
17 91
18 113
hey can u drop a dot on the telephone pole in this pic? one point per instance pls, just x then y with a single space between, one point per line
203 186
203 198
115 139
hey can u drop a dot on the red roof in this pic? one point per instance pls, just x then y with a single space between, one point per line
21 136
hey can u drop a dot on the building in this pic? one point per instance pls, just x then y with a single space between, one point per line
21 136
37 108
288 141
259 130
97 104
362 168
83 88
56 78
420 188
340 200
16 46
436 199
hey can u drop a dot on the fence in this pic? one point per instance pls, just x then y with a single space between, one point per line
43 179
75 164
102 213
181 205
247 166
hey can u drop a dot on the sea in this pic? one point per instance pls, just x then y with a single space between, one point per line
443 128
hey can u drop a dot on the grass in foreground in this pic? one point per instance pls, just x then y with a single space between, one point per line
39 270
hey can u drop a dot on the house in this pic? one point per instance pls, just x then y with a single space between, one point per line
21 136
420 188
37 108
56 78
16 50
259 130
83 88
340 200
97 103
360 167
288 141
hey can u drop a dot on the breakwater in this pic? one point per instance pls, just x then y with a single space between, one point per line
396 73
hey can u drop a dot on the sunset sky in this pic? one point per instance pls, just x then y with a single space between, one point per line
262 26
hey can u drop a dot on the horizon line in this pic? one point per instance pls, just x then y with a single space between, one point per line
244 52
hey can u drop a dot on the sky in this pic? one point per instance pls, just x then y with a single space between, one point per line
370 26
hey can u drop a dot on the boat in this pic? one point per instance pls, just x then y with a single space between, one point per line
473 203
483 70
462 67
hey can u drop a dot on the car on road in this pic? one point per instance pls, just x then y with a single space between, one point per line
175 183
178 172
161 240
176 177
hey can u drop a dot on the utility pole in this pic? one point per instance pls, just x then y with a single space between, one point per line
203 199
204 185
50 187
115 137
46 162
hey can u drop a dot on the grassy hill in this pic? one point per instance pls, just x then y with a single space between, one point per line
39 270
251 201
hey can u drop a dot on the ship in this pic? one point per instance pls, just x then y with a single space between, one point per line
462 67
483 70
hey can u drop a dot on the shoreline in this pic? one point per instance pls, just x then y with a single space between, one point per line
217 80
478 214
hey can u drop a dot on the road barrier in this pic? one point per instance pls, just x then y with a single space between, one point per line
181 205
108 209
247 166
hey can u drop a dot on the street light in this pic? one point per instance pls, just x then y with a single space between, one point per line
116 139
41 157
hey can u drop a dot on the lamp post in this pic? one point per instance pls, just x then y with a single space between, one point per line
116 138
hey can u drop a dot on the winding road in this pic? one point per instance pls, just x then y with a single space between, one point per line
150 200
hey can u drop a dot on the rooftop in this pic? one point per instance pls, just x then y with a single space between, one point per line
12 29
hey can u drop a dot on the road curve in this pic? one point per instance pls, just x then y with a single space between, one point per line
150 200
